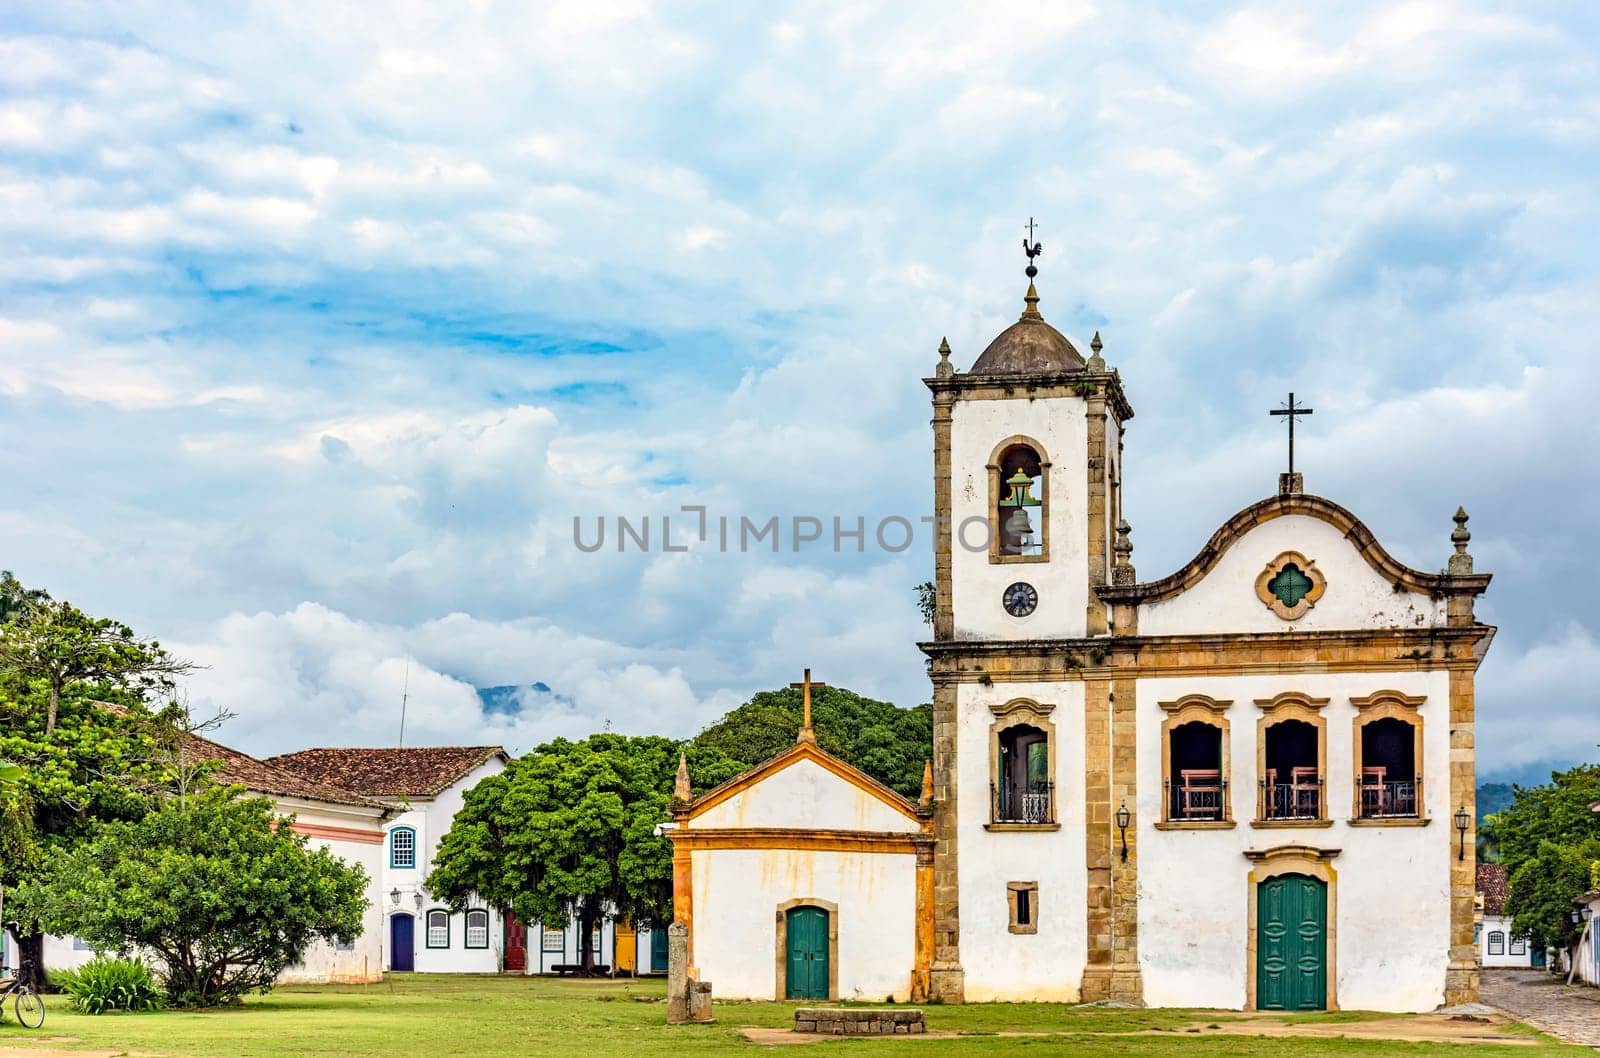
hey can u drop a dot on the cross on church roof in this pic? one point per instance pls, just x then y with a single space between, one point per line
806 734
1293 411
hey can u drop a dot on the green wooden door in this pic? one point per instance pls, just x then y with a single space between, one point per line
807 937
1291 943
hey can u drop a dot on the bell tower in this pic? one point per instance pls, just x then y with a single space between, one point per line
1027 467
1027 474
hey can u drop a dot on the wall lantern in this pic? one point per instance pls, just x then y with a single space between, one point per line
1123 819
1575 917
1587 913
417 896
394 896
1463 821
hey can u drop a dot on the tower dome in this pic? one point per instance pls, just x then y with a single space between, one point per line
1029 346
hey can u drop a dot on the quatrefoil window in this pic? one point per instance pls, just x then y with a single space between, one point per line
1290 585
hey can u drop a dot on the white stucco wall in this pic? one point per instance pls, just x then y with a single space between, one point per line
431 818
1502 924
1225 599
1585 955
1047 965
364 961
805 794
1393 899
976 427
737 893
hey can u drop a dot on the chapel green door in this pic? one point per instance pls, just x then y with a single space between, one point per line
1291 943
807 965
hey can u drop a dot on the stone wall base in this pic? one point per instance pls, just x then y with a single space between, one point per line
1461 985
837 1021
948 984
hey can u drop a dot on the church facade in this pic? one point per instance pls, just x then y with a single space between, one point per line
1248 784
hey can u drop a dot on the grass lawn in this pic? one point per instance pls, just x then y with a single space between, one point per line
434 1016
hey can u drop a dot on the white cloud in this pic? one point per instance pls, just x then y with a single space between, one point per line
311 367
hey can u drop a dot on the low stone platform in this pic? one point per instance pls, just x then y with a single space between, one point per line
841 1021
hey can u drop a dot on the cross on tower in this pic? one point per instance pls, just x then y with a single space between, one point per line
1293 411
806 734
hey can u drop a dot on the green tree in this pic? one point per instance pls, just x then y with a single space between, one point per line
888 743
100 760
222 893
15 598
1558 811
1548 838
568 831
1543 886
58 645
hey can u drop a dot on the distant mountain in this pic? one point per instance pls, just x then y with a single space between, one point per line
509 698
1492 797
1535 774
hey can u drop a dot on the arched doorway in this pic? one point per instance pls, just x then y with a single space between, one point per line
402 947
1292 943
806 975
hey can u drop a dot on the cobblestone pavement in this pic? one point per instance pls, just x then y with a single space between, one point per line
1546 1002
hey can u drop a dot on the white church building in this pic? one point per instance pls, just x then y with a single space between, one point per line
1247 784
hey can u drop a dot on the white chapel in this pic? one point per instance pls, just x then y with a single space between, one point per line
1247 784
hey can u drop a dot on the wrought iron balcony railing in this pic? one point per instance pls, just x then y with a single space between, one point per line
1389 800
1300 799
1023 803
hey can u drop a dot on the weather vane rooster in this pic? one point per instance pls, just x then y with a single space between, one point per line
1033 249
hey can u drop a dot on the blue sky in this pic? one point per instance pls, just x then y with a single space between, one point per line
318 326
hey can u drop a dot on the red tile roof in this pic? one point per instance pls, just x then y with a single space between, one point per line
264 777
1493 885
421 772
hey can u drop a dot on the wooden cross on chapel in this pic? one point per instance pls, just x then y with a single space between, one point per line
806 734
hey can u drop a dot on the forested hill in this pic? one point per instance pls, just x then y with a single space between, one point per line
887 742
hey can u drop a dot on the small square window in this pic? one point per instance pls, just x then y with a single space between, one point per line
554 939
1497 943
1519 945
1023 900
79 944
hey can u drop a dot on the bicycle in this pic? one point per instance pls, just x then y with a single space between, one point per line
26 1002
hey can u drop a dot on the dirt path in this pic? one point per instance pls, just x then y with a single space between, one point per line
1546 1002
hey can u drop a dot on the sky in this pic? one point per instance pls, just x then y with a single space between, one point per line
320 324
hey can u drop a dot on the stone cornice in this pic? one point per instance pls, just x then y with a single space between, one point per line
1362 538
1108 657
1083 384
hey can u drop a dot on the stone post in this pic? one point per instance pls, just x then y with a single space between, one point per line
688 999
677 973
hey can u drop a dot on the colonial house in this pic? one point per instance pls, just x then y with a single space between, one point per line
624 949
1498 945
1583 959
422 788
349 825
1248 783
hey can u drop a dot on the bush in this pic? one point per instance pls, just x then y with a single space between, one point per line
104 983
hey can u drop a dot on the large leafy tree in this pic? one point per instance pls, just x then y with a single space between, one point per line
568 831
58 646
1549 840
221 892
888 743
88 749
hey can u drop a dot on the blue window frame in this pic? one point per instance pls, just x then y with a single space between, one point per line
402 847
